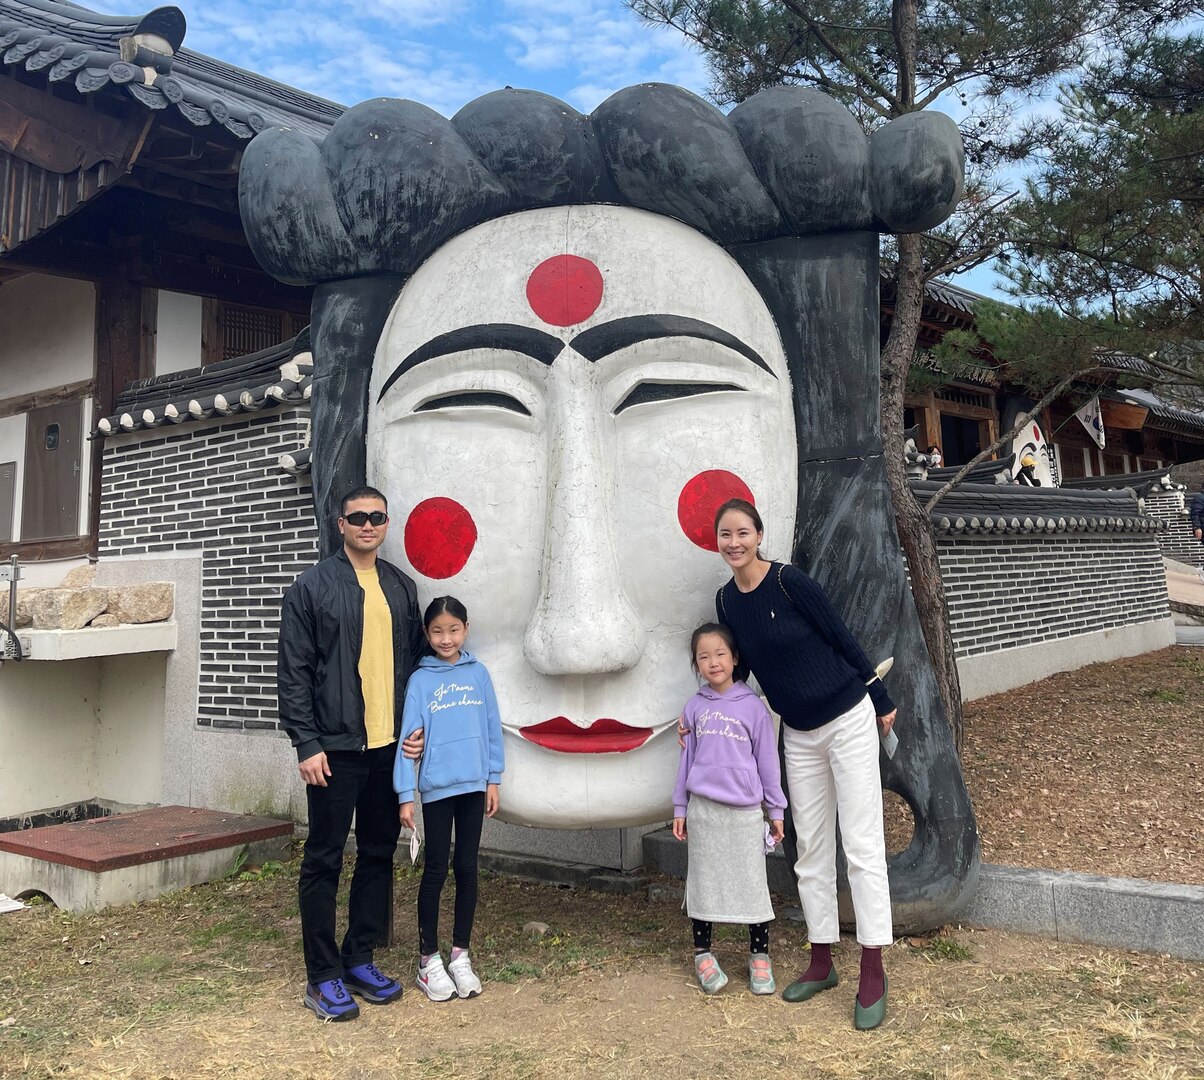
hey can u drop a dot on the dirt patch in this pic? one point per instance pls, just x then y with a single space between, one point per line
1099 770
207 983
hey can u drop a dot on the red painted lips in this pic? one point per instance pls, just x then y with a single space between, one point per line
601 737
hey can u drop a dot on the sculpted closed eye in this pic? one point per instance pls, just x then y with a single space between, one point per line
478 398
645 392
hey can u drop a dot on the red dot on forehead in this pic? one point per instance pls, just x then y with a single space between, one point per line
701 498
564 290
439 537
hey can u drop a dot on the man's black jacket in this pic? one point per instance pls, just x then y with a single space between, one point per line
317 664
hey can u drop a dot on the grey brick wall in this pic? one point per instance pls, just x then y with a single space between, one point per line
217 486
1012 590
1177 541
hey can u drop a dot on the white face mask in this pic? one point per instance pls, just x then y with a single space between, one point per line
554 435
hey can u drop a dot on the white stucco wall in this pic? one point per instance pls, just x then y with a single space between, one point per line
129 742
76 730
178 340
47 734
47 333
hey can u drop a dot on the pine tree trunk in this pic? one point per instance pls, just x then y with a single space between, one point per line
912 523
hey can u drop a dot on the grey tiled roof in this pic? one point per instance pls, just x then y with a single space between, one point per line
244 384
1013 508
95 51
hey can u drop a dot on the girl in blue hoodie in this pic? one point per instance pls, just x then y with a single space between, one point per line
729 770
450 696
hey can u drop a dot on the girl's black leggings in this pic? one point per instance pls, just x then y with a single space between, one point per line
758 936
465 813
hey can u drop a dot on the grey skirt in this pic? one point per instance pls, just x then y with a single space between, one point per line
726 882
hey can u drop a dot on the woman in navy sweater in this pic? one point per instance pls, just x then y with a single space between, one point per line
832 705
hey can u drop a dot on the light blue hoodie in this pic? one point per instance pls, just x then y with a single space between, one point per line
456 707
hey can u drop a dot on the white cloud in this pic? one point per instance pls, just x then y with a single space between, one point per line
441 52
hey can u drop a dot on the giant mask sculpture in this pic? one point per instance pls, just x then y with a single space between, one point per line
558 342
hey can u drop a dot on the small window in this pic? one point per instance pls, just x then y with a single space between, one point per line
230 330
50 440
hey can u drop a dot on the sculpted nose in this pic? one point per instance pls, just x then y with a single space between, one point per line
583 624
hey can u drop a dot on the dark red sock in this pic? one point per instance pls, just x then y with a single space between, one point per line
873 979
821 963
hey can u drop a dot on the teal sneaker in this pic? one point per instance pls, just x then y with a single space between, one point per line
710 974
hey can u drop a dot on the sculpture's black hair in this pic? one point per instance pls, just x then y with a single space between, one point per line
393 180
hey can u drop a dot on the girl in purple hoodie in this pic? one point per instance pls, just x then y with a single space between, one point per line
729 770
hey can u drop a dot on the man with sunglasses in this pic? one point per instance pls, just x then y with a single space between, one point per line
350 635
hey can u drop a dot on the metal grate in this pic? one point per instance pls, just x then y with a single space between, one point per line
247 330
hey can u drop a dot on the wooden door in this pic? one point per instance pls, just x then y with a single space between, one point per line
50 503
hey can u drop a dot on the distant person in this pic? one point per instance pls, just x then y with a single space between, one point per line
1027 473
1197 517
349 637
934 452
729 770
451 699
1197 514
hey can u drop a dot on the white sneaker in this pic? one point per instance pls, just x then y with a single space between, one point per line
467 983
433 981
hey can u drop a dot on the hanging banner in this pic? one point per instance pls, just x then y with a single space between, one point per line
1091 417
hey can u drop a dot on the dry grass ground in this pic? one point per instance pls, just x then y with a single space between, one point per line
207 983
1098 770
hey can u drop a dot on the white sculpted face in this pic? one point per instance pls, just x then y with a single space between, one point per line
560 400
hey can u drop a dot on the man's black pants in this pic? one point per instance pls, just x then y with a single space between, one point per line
359 783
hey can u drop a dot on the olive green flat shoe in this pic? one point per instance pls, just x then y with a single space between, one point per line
866 1019
801 990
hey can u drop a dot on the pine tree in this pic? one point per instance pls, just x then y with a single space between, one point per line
981 60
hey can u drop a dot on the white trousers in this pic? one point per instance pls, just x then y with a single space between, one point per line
831 770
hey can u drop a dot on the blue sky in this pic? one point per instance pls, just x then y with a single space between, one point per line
444 53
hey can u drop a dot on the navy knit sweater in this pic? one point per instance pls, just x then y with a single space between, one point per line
809 665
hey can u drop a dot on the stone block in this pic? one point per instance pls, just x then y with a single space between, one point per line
25 599
82 577
68 609
107 619
1014 898
1127 913
151 601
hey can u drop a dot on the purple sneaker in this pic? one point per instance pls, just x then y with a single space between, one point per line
330 1001
371 985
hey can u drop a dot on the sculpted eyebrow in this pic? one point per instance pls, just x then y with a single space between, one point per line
509 336
610 337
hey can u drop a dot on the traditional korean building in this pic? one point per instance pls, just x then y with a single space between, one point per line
122 255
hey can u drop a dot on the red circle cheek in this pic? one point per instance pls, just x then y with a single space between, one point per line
699 500
439 537
565 290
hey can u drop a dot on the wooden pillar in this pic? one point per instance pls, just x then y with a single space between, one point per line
931 430
119 352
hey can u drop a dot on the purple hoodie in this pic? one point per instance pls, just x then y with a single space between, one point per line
731 752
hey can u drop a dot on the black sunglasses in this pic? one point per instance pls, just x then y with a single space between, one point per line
358 517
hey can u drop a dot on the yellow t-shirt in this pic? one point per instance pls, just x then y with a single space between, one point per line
376 661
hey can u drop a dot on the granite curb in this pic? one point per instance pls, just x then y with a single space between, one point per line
1086 909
